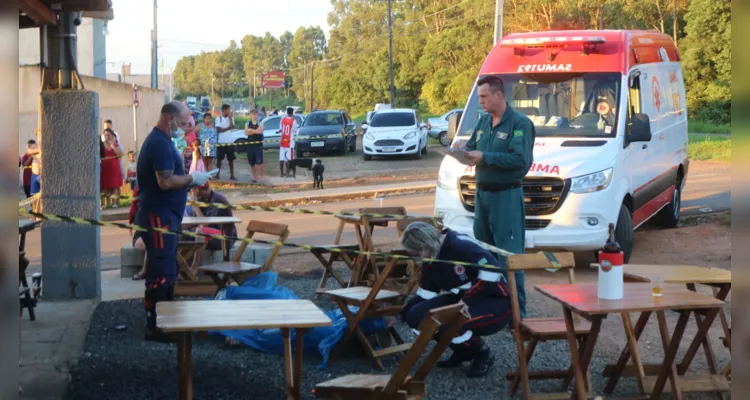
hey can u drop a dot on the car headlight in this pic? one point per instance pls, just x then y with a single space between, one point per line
410 135
591 182
446 180
369 136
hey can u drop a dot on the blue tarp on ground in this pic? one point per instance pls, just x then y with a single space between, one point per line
263 287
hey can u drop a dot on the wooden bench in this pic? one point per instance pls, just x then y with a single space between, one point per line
401 385
237 271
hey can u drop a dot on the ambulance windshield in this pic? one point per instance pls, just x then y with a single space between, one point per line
564 105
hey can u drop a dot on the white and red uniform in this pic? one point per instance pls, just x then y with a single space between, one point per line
289 128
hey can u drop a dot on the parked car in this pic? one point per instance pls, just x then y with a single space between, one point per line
271 133
205 105
326 131
437 128
397 131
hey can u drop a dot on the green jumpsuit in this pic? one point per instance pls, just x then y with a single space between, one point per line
499 215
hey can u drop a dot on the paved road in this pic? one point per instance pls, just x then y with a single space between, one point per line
707 190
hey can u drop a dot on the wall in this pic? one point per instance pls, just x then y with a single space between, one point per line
90 48
115 103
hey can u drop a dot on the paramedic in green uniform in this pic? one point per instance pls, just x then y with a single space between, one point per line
501 148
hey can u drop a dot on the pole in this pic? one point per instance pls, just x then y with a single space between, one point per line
499 19
312 86
255 90
390 51
304 86
154 57
674 20
212 88
171 84
135 128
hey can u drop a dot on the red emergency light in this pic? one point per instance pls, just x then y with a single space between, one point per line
552 42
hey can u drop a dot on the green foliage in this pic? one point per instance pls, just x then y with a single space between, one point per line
708 147
706 62
440 45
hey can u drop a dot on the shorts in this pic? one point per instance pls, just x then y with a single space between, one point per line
211 244
255 155
225 151
36 185
286 154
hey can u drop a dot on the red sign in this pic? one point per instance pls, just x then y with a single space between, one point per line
272 80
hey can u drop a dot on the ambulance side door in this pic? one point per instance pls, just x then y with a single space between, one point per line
636 154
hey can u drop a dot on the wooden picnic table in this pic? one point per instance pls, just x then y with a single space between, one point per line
184 317
720 280
205 221
363 228
583 300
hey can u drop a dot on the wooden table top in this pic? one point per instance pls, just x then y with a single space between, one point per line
678 273
206 315
637 297
210 220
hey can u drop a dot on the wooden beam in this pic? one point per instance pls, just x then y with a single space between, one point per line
108 15
39 12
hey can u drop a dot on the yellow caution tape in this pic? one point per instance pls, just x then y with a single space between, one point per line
26 202
93 222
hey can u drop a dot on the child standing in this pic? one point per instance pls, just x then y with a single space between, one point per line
26 160
131 177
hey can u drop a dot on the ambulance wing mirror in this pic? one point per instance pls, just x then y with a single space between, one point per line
453 122
640 129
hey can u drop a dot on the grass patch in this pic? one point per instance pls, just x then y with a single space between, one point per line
708 147
707 127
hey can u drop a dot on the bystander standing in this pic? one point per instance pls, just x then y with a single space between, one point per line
225 123
254 133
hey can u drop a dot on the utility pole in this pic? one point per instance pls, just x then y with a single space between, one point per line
674 20
499 19
154 54
212 88
304 85
312 80
390 52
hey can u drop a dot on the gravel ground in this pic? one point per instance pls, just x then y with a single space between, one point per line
120 365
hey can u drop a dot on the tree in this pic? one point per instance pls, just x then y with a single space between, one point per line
706 61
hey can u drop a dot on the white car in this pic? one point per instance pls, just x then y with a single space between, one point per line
395 132
271 133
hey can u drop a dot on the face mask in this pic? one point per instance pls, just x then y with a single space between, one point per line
174 131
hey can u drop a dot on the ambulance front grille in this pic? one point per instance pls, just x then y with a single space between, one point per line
542 195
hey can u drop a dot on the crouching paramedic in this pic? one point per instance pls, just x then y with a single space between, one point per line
485 293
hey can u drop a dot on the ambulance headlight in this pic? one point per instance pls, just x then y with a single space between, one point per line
591 182
446 180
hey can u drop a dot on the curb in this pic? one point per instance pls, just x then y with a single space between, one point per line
330 198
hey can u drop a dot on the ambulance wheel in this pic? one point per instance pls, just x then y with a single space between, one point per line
624 232
669 216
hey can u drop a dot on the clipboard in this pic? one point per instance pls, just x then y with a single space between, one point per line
459 155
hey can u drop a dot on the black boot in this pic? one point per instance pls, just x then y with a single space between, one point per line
460 355
482 364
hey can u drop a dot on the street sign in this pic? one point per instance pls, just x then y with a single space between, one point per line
136 97
272 80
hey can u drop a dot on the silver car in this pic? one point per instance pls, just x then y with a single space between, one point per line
271 133
438 127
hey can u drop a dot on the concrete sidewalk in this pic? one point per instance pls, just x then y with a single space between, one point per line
52 344
307 197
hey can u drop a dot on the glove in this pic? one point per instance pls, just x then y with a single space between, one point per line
199 178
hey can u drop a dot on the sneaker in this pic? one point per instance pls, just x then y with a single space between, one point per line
481 364
455 360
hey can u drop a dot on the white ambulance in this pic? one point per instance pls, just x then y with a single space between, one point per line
611 136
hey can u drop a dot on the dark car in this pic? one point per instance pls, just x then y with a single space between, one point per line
324 132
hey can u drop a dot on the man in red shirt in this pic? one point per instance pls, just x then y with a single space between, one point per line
26 161
289 128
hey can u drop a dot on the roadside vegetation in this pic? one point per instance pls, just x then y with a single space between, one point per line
709 147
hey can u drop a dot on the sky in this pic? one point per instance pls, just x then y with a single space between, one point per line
187 27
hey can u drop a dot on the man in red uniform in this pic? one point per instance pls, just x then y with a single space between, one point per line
289 129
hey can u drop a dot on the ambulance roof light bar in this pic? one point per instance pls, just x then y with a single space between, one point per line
552 41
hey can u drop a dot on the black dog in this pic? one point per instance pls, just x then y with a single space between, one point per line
304 163
317 171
